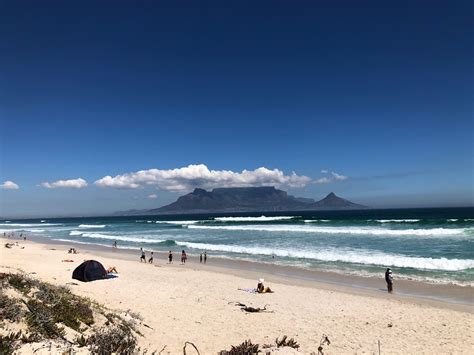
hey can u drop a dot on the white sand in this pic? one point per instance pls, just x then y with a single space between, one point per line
182 303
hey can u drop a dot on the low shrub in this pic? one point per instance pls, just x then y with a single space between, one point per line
115 339
10 308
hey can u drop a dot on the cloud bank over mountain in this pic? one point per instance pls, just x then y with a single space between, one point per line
187 178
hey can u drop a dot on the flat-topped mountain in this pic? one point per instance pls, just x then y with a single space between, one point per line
247 199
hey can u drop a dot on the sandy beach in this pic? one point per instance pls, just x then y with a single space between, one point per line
195 303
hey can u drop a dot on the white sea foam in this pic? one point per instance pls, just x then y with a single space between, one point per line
341 255
316 220
178 222
340 230
33 230
75 233
29 224
42 221
92 226
121 238
253 219
397 220
453 220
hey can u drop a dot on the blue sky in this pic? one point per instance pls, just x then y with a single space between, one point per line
378 93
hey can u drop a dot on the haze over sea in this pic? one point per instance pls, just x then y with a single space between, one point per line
433 245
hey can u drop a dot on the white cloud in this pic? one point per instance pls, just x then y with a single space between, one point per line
187 178
323 180
9 185
73 183
333 177
152 196
338 177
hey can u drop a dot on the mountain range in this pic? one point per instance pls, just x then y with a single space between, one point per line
245 199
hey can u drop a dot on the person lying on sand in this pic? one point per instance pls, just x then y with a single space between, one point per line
112 269
261 288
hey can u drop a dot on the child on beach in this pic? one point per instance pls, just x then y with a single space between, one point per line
170 257
142 257
151 258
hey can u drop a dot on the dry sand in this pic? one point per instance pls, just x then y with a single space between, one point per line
188 303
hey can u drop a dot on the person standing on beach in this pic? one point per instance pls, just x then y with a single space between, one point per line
389 280
115 245
151 258
142 257
205 257
170 257
183 257
200 258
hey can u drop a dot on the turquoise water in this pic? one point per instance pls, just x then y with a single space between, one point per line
433 245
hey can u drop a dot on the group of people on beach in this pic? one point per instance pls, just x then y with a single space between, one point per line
184 257
12 235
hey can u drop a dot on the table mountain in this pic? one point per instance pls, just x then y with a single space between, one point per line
248 199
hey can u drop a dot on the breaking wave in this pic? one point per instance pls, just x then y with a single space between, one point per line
347 256
29 224
92 225
254 219
115 237
178 222
342 230
396 220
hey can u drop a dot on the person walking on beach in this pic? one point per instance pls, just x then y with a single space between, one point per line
200 258
170 257
389 280
142 257
183 257
205 257
115 245
151 258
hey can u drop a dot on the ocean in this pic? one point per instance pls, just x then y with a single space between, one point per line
430 245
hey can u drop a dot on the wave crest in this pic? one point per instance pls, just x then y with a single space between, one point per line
253 219
347 256
343 230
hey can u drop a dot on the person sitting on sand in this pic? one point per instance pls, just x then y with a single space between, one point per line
112 269
261 288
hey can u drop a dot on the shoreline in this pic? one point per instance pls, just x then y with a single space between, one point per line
439 295
197 303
